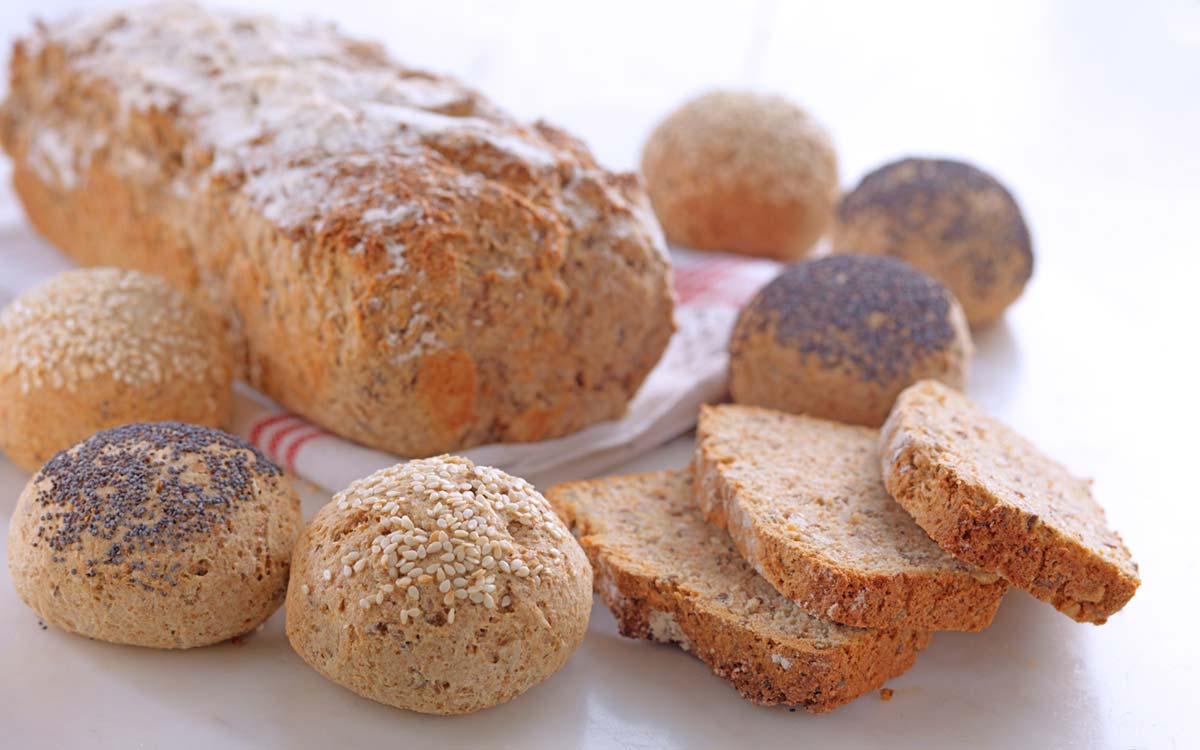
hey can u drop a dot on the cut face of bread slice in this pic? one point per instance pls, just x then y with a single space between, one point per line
989 497
669 576
805 504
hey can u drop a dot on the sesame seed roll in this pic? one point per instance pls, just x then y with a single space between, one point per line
95 348
840 337
438 586
742 172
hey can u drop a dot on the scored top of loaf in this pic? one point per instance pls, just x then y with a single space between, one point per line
286 110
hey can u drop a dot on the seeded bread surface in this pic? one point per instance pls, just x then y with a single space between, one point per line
438 586
950 219
96 348
395 258
804 502
160 534
739 171
669 576
989 497
840 337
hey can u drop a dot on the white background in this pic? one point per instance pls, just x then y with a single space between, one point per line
1089 111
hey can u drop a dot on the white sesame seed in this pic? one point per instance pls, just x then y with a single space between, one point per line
450 617
327 574
347 571
414 592
304 589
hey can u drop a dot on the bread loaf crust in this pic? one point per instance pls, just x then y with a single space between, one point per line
422 280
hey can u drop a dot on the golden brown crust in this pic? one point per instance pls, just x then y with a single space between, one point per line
804 504
742 172
160 535
989 497
468 281
98 348
413 641
683 582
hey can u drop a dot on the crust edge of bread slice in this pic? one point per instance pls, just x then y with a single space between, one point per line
944 600
763 669
969 521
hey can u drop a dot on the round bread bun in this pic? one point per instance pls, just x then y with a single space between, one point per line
951 220
96 348
438 586
742 172
840 337
162 534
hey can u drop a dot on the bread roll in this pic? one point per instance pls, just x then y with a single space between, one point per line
98 348
953 221
438 586
742 172
840 337
161 534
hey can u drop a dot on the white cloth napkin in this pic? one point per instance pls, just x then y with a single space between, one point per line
691 372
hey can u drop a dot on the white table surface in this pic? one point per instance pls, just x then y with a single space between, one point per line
1090 111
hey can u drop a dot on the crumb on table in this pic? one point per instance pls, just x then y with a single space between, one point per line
886 693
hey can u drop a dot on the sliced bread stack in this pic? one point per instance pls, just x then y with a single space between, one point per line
669 576
805 504
806 561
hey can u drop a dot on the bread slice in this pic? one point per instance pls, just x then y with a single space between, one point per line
804 502
991 498
668 576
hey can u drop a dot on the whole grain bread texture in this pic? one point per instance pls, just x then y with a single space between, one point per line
989 497
438 586
804 502
395 258
669 576
160 534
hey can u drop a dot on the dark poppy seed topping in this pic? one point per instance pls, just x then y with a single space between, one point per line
871 315
144 487
913 193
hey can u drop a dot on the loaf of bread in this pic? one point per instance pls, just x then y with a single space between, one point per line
396 259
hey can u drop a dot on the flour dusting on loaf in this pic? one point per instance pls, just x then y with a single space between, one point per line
396 258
